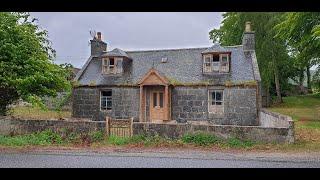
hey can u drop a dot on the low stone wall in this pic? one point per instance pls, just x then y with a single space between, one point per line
18 126
275 128
253 133
272 119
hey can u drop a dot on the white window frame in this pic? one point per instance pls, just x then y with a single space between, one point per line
226 69
216 66
107 99
217 109
205 68
111 69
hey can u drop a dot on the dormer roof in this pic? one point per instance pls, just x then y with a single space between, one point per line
116 53
216 48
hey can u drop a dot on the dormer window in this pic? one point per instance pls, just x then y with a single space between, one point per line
112 65
216 63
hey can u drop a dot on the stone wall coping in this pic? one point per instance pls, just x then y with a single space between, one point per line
212 125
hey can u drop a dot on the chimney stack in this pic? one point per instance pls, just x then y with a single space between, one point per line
97 45
248 40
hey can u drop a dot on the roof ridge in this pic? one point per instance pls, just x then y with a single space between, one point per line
155 50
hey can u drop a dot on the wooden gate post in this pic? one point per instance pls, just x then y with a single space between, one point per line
131 127
107 126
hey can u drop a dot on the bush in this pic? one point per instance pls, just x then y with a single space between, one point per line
200 138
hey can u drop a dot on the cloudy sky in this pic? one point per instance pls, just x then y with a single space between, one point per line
69 32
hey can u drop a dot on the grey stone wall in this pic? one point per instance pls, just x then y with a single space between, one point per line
191 103
125 103
19 126
86 103
253 133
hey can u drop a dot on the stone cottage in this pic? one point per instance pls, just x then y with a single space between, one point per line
218 84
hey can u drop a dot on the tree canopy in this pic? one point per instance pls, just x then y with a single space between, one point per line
27 70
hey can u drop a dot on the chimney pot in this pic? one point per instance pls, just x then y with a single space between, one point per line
248 26
99 36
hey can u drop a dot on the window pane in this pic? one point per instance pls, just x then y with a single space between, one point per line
154 99
218 95
109 103
216 66
218 103
161 99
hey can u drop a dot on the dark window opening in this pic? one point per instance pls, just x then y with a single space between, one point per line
155 99
161 99
215 58
111 61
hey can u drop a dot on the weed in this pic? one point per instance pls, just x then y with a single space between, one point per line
202 139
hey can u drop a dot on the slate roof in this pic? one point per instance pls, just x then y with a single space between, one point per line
183 65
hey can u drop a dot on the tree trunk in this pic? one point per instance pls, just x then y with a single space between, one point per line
276 79
309 79
277 82
301 79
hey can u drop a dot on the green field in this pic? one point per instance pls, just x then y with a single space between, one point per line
305 111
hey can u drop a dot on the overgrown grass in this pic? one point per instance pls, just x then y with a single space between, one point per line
49 137
97 138
46 137
27 112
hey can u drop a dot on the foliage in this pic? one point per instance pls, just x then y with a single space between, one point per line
301 31
27 70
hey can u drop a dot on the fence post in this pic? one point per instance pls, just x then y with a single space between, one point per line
131 126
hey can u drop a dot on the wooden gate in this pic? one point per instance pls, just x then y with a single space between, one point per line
119 127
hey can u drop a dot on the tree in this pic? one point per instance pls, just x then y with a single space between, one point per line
272 55
301 30
27 70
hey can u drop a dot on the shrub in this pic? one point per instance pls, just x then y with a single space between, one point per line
116 140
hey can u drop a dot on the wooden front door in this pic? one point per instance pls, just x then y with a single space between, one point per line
157 110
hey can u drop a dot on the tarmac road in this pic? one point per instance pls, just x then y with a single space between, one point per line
152 160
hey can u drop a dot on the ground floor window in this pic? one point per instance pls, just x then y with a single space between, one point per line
106 100
215 101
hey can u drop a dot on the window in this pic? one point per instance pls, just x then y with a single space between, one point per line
224 62
207 63
106 100
216 101
112 65
216 63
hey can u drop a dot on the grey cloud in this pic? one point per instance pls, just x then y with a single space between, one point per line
69 32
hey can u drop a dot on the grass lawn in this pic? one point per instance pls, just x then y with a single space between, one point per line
305 111
26 112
